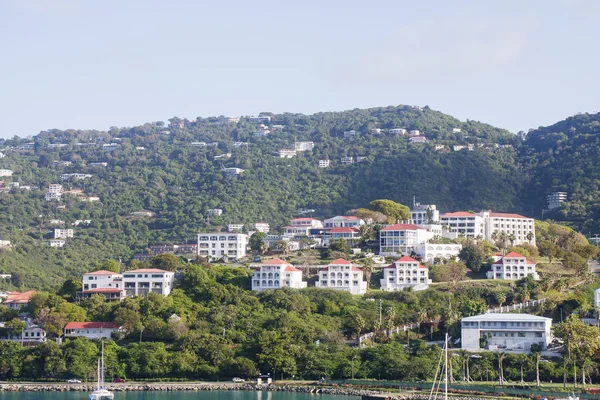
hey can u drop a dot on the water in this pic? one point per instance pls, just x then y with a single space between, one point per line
183 395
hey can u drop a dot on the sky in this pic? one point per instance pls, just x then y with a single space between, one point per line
79 64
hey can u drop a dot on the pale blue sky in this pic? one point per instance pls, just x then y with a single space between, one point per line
93 64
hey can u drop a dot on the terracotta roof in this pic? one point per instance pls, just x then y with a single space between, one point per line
406 259
147 270
104 290
290 268
422 267
402 227
514 254
17 297
458 214
340 261
506 215
343 230
92 325
102 272
529 262
497 255
276 261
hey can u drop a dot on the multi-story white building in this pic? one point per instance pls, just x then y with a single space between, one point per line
344 233
140 282
287 153
418 139
512 266
324 163
74 177
98 164
304 146
431 252
309 222
235 227
403 273
464 223
63 233
56 243
91 330
32 334
262 227
104 283
215 246
343 221
503 331
6 172
233 171
556 199
522 228
402 239
293 231
110 146
259 120
16 300
415 132
424 214
55 188
397 131
342 275
276 274
215 212
346 160
52 196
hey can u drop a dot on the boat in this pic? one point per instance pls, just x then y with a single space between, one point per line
441 369
101 392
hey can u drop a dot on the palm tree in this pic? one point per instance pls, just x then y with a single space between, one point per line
368 269
501 357
529 236
465 357
511 238
536 352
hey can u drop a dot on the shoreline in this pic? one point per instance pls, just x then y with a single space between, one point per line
309 388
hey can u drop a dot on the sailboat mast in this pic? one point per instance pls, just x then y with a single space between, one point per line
98 375
446 368
102 363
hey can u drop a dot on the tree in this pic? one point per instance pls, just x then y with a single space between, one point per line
256 241
339 245
392 210
452 272
70 287
80 355
536 352
548 249
166 261
110 265
472 255
129 319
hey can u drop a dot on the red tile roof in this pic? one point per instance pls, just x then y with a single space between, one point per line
276 261
18 297
147 270
92 325
340 261
290 268
104 290
343 230
406 259
102 272
514 254
506 215
402 227
458 214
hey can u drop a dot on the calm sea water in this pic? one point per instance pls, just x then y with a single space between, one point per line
200 395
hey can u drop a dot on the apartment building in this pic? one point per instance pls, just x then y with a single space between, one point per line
522 228
424 214
464 223
430 252
63 233
512 266
287 153
74 177
342 275
309 222
6 172
56 243
214 212
104 283
262 227
500 332
140 282
91 330
215 246
324 163
404 273
304 146
402 239
235 227
343 221
276 274
346 160
556 199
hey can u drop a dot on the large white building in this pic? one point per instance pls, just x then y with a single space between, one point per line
304 146
140 282
74 177
403 273
63 233
402 239
215 212
342 275
555 199
309 222
430 252
343 221
222 244
424 214
6 172
262 227
464 223
499 332
91 330
276 274
512 266
104 283
522 228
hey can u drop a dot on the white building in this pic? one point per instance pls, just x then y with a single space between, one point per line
215 212
522 228
140 282
397 131
287 153
597 298
304 146
215 246
324 163
52 196
403 273
276 274
197 144
424 214
98 164
261 131
224 156
104 283
456 130
142 214
351 133
418 139
309 222
74 177
464 223
343 221
556 199
402 239
32 334
512 266
347 160
293 231
110 146
342 275
235 227
262 227
6 172
56 243
258 120
5 243
91 330
228 120
55 188
344 233
415 132
503 331
63 233
16 300
232 171
429 252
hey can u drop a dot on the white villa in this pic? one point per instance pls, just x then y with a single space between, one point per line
464 223
342 221
309 222
63 233
104 283
91 330
276 274
403 273
421 213
521 227
498 332
342 275
222 244
399 239
431 251
140 282
512 266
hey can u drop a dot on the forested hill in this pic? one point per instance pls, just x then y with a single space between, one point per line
154 168
565 157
